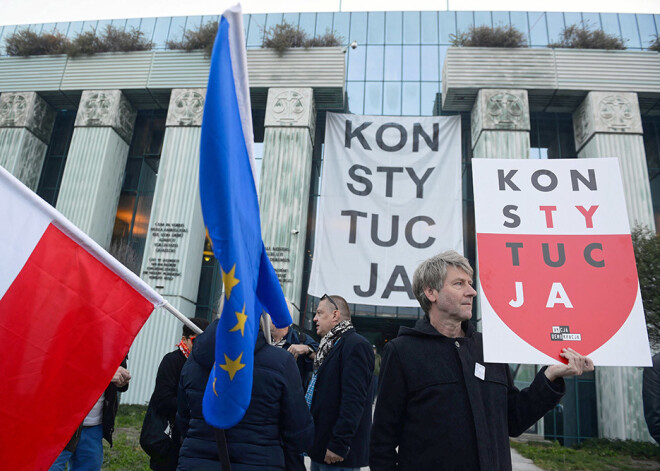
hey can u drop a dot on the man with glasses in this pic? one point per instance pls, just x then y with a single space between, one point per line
339 391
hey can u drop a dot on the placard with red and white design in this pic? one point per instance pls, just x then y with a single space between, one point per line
555 262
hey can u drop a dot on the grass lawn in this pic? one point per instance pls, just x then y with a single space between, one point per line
592 455
126 453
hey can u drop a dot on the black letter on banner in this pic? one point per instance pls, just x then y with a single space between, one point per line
368 186
514 246
399 271
506 180
561 255
409 229
587 255
403 137
353 229
419 183
508 212
591 183
350 134
390 171
374 231
417 131
538 186
372 283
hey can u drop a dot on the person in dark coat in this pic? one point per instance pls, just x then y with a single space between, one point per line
339 391
651 397
300 345
277 422
165 392
440 406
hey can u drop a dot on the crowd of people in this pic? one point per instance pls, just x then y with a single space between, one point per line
440 405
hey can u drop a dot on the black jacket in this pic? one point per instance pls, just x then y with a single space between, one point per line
341 404
651 398
305 363
276 419
110 405
440 414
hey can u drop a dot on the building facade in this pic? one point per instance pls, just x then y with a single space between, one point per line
112 141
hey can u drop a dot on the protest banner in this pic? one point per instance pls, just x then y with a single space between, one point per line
390 197
555 262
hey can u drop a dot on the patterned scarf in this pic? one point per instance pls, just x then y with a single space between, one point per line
329 341
184 349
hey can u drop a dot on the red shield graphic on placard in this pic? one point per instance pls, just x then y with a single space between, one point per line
592 302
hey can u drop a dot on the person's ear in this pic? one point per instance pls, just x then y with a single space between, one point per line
431 294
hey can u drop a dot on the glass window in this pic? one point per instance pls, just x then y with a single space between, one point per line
429 27
323 23
410 99
646 29
610 22
411 27
341 26
161 31
429 63
629 30
355 92
392 99
555 25
500 18
538 32
193 23
573 19
373 98
147 26
58 148
119 25
273 19
358 27
483 18
411 63
591 20
519 21
89 26
356 60
393 27
256 32
308 24
375 62
101 26
447 24
291 18
376 29
134 23
392 62
429 96
50 27
177 28
464 21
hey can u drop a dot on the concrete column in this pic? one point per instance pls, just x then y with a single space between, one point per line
172 260
95 166
500 124
285 180
608 124
26 123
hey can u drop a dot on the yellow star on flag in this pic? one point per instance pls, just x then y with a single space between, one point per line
229 280
240 325
232 366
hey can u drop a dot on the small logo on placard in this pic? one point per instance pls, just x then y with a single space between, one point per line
563 332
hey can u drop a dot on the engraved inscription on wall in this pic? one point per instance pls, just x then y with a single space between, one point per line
166 239
280 258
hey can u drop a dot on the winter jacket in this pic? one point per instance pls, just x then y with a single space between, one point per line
341 404
435 408
305 363
651 397
277 417
110 405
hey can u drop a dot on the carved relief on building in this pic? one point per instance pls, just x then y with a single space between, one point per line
31 162
186 107
99 108
606 112
500 110
291 107
28 110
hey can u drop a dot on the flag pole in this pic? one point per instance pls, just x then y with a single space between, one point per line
182 318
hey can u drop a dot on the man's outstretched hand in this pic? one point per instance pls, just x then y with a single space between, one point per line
577 364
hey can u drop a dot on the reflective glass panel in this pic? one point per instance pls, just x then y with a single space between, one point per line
393 27
411 63
555 25
392 99
501 18
75 27
133 23
519 21
119 25
392 62
355 92
572 19
273 19
411 27
376 30
429 27
410 99
161 31
610 22
308 24
177 28
256 31
591 20
101 26
50 27
429 95
464 20
359 27
147 26
447 25
375 62
373 98
323 23
89 26
429 63
538 32
341 26
629 30
646 29
483 18
291 18
356 59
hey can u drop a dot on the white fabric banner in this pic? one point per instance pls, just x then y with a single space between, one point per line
391 196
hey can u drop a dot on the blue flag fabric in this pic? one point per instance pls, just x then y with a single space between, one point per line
231 214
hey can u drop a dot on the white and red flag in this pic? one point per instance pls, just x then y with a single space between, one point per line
68 315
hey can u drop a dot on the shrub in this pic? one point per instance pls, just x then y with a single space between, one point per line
284 36
655 45
646 245
112 40
486 36
201 38
582 37
329 39
27 43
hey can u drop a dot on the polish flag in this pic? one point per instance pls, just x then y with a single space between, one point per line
68 315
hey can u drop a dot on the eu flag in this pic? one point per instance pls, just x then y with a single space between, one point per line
231 214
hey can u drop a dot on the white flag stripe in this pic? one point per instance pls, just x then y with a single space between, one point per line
30 207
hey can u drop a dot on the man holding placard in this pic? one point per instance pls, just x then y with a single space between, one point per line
440 406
